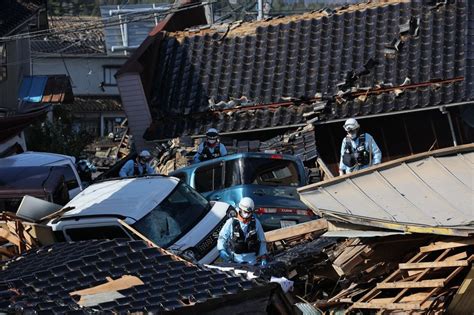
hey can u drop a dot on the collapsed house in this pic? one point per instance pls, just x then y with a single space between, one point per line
397 237
392 64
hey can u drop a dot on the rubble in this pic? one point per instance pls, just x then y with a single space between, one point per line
178 152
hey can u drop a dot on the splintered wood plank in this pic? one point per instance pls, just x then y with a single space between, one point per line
456 257
423 273
415 297
390 306
439 264
434 283
319 225
445 245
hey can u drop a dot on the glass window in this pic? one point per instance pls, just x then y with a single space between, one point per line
174 216
70 178
271 172
232 173
3 62
109 75
208 178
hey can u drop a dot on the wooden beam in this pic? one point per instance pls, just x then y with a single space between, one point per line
390 306
456 257
434 283
439 264
319 225
325 168
445 245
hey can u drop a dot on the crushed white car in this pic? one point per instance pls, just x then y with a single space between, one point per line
168 212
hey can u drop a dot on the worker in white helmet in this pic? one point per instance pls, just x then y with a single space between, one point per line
241 239
358 150
139 166
211 148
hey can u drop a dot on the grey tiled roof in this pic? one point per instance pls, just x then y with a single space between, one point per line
43 279
86 41
372 46
95 104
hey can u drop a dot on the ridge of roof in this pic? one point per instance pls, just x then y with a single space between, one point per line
240 28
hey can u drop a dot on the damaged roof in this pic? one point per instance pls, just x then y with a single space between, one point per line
44 279
89 41
94 104
429 190
365 59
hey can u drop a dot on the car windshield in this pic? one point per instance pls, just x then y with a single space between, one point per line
271 172
174 216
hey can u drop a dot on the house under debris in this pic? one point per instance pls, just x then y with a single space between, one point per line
390 64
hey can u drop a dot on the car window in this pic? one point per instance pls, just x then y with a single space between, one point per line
271 172
96 232
208 178
174 216
232 173
70 178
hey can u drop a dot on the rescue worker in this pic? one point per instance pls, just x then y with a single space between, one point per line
211 148
358 151
138 166
85 170
241 239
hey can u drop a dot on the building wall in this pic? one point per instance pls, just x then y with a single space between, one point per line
18 65
136 107
86 73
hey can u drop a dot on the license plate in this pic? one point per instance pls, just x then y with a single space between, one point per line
285 223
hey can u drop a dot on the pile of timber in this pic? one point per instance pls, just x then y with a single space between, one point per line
413 273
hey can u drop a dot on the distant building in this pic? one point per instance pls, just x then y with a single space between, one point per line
17 18
78 51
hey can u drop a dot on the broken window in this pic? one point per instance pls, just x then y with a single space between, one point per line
174 216
3 62
209 178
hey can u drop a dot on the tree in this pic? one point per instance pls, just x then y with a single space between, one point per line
57 136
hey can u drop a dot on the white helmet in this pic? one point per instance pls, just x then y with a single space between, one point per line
351 124
246 204
212 133
145 156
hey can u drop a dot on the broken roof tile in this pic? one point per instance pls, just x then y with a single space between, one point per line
304 56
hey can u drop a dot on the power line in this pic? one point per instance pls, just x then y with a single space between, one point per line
113 21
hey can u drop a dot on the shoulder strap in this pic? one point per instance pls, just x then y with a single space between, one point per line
362 139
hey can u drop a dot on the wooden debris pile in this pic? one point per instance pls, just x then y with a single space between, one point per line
416 274
18 236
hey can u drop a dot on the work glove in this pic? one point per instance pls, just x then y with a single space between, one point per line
224 255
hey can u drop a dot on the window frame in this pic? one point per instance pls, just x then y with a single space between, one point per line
3 62
205 168
113 81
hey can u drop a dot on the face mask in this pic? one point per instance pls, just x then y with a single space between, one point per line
352 134
245 214
211 141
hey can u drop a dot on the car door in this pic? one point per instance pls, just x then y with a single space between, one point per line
209 180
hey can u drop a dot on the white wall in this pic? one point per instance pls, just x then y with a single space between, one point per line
86 72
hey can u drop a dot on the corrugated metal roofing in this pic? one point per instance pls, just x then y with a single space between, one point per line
434 189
